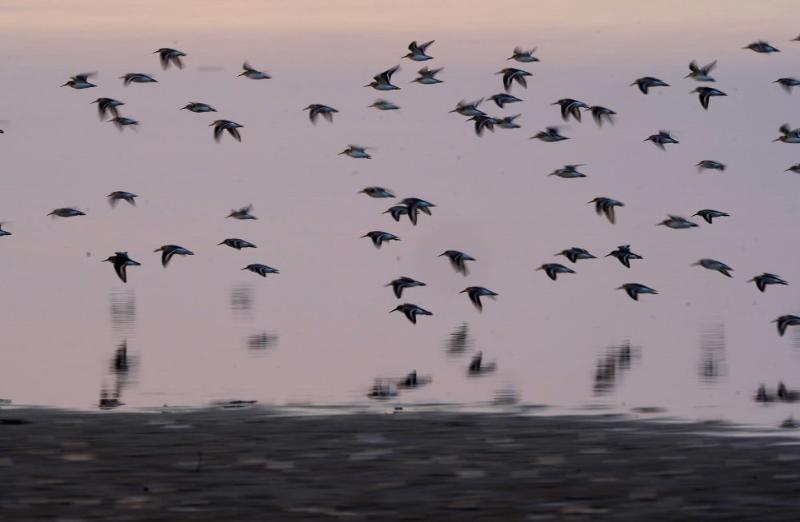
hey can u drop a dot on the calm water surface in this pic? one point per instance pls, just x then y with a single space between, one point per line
203 330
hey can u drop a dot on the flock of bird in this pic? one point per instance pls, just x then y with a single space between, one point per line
413 207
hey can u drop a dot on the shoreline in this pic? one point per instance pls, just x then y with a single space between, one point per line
255 463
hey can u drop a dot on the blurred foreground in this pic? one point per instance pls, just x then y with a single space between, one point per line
256 464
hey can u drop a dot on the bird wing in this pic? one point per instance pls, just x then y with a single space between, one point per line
120 269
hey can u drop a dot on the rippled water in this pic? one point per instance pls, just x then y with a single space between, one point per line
319 332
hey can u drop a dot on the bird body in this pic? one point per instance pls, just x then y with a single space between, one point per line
415 205
397 211
80 81
475 293
198 107
242 213
376 192
384 105
788 134
66 212
710 165
713 264
107 105
427 76
701 74
137 78
575 253
356 151
383 81
167 251
624 254
787 83
121 262
120 122
785 321
662 138
646 83
677 222
4 232
524 56
634 289
458 260
315 110
765 279
220 126
568 172
605 206
570 107
262 270
553 269
549 135
378 237
417 52
705 94
502 99
169 56
469 109
401 283
761 47
599 114
253 74
238 244
411 311
709 214
511 75
117 195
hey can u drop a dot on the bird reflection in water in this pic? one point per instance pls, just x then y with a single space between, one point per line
242 301
611 364
459 340
120 369
123 310
262 341
712 364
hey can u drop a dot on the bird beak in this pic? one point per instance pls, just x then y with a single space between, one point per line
157 250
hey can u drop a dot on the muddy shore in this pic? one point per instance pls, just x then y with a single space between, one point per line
258 464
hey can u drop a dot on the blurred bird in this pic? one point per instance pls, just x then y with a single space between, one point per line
549 135
701 74
411 311
600 113
383 105
705 94
476 366
262 270
379 237
107 105
524 56
634 289
502 99
198 107
417 52
510 75
121 262
66 212
220 126
4 232
356 151
242 213
761 47
137 78
553 269
397 211
475 293
787 83
117 195
786 321
569 171
253 74
238 244
710 165
483 121
428 76
713 264
120 122
466 108
315 110
170 56
765 279
575 253
167 251
624 254
709 214
677 222
415 205
383 81
794 168
662 138
458 260
401 283
645 83
508 122
570 107
376 192
605 206
788 135
80 81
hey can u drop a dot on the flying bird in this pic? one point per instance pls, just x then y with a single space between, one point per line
553 269
356 151
198 107
428 76
169 56
117 195
786 321
80 81
167 251
709 214
415 205
376 192
220 126
4 232
315 110
401 283
788 135
66 212
417 52
466 108
107 106
242 213
624 254
137 78
510 75
383 81
397 211
705 94
253 74
549 135
662 138
238 244
605 206
761 47
787 83
484 121
713 264
794 168
575 253
411 311
121 262
378 237
645 83
765 279
384 105
476 366
508 122
634 289
475 293
600 114
570 107
701 74
677 222
262 270
120 122
710 165
458 260
502 99
569 172
524 56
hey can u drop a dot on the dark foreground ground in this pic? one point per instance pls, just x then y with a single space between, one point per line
253 464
